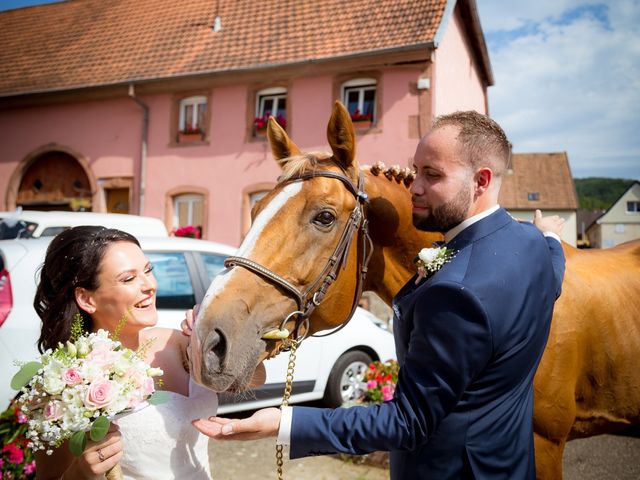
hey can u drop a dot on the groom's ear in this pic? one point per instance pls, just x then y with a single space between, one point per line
85 300
482 178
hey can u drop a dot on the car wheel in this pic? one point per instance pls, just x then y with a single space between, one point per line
346 380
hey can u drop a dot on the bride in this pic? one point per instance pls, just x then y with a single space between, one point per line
103 275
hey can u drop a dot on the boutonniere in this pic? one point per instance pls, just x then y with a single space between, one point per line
430 260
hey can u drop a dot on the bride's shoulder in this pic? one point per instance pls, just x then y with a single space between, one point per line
165 336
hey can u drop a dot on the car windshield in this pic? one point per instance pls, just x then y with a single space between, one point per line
10 228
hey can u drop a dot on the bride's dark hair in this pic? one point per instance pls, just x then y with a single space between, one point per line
73 260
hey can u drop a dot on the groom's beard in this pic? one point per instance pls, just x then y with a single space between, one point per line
446 216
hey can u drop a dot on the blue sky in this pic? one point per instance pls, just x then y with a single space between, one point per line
567 78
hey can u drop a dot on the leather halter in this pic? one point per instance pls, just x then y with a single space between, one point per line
308 299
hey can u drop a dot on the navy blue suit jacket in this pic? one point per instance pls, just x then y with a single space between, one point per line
469 340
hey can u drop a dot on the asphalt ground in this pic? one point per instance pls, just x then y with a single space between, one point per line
610 457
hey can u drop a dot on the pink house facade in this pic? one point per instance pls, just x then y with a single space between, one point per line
117 140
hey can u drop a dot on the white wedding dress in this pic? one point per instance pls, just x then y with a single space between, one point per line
160 442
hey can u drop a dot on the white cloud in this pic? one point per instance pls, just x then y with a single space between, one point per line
568 80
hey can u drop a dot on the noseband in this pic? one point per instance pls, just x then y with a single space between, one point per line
308 299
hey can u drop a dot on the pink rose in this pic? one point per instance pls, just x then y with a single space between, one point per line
100 393
372 384
15 454
101 355
148 387
72 377
53 410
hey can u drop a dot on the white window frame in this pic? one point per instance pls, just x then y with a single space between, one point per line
275 93
190 199
361 85
194 102
637 206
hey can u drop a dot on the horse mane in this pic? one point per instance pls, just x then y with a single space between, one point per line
300 164
394 172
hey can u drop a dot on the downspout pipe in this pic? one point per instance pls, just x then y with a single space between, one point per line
143 146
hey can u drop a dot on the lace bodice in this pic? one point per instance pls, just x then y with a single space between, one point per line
161 443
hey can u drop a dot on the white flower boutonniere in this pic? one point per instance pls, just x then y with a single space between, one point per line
430 260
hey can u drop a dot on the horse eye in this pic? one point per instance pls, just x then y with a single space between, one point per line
324 219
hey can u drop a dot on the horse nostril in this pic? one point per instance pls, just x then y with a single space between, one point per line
215 350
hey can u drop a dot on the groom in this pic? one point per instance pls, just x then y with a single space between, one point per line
469 337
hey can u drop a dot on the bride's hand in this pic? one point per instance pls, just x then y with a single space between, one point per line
190 318
98 457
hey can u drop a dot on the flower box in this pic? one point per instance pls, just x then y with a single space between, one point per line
189 137
362 124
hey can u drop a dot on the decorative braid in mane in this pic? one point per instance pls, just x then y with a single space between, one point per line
394 172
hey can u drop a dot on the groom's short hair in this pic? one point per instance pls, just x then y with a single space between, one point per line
482 140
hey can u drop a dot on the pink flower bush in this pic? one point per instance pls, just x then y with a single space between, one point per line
381 381
15 455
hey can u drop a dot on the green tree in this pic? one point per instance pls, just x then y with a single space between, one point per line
596 193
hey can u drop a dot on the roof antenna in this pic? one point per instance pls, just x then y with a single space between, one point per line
217 22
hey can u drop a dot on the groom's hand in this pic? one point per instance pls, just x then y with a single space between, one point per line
262 424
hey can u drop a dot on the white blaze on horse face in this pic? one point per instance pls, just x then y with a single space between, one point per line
250 241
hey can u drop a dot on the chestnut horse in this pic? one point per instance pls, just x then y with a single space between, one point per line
588 381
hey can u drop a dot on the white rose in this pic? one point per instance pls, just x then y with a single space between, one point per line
53 384
428 255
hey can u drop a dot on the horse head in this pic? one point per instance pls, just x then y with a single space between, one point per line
296 271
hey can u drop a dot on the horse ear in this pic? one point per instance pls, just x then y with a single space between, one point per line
281 144
342 137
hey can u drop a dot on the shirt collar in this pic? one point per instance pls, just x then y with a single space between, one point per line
451 234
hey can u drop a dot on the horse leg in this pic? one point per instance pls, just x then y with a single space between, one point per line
548 457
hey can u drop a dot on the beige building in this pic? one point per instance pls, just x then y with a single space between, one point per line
619 224
544 181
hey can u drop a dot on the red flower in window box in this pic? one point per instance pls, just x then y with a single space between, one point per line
360 117
260 123
188 231
190 129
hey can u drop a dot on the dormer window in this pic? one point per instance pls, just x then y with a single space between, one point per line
359 96
270 102
192 119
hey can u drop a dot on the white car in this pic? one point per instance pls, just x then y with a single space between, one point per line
329 369
33 224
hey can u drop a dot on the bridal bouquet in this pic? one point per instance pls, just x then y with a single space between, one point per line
77 388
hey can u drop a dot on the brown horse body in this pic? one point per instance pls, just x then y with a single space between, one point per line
587 382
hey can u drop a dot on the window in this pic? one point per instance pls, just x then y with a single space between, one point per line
213 264
255 197
359 96
270 102
188 209
619 228
192 119
175 290
533 196
633 207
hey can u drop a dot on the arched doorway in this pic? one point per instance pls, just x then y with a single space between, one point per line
55 180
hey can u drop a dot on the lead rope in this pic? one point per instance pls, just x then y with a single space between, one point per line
288 386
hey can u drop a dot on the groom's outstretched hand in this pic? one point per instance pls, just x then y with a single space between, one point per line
262 424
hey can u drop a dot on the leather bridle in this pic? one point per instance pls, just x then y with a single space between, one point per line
311 297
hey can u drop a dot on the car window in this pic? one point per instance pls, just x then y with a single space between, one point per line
175 290
20 229
53 231
212 263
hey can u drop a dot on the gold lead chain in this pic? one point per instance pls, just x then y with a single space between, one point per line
288 386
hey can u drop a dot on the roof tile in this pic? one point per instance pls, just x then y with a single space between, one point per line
80 43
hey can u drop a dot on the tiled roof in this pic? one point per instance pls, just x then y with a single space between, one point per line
546 174
83 43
